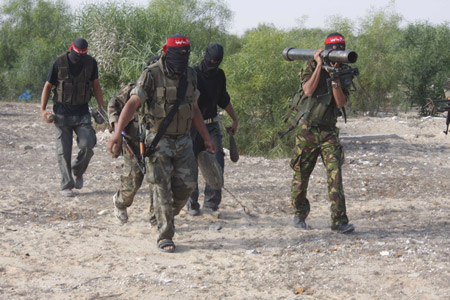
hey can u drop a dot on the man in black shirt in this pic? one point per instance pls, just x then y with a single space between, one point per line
211 83
73 77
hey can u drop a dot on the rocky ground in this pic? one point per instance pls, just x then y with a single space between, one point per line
397 182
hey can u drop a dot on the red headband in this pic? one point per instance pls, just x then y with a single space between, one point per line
335 40
77 50
176 42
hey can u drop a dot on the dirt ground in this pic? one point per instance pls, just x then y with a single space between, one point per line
396 179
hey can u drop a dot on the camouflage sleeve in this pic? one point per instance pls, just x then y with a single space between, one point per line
113 113
143 86
447 88
306 73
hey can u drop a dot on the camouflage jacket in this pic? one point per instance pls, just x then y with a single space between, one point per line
320 109
115 107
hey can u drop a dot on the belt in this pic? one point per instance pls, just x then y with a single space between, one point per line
211 120
174 137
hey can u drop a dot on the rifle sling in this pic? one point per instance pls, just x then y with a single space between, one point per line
181 93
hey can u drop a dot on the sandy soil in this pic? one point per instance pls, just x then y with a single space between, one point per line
396 178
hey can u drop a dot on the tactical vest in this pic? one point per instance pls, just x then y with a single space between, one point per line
73 90
162 98
318 110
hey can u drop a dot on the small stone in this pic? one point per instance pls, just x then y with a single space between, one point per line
215 226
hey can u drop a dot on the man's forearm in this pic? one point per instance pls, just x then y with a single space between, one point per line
45 95
199 124
98 94
127 113
230 111
310 86
339 96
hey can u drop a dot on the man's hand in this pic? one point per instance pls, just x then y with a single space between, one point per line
317 57
45 115
334 65
210 147
114 144
234 127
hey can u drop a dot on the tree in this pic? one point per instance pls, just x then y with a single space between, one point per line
376 45
31 32
425 57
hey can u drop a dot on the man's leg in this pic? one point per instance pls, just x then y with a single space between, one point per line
192 206
303 163
64 136
213 197
185 174
333 157
86 141
130 182
159 172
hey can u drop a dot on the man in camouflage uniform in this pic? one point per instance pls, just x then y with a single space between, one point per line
171 167
318 135
132 176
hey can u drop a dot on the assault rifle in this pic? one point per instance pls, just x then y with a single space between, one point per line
98 116
443 106
345 73
140 164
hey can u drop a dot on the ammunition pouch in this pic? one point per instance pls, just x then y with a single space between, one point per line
74 90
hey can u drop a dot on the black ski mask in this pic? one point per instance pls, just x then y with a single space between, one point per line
213 57
78 49
177 51
335 41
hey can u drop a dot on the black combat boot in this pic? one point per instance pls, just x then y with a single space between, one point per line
300 223
343 228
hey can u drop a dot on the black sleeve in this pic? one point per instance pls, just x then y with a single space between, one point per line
224 97
94 71
52 75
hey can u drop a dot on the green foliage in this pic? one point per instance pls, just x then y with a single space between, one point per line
260 83
31 34
376 45
122 37
425 58
399 66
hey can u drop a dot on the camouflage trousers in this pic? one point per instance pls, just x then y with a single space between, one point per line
172 172
130 182
309 144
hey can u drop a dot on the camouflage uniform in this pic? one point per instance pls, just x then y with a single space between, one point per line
171 169
132 177
318 136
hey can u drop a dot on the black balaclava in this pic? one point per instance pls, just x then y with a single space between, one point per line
335 41
176 53
77 50
213 52
153 59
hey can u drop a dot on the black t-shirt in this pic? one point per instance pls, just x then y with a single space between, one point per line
75 70
213 93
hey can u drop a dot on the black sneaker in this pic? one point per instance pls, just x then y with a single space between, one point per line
193 212
343 228
212 212
300 223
